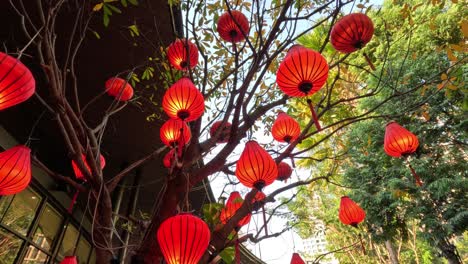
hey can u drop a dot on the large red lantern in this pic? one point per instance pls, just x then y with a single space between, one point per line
17 83
233 27
255 167
296 259
69 260
78 173
233 204
350 213
303 72
284 171
285 128
183 239
183 101
400 142
15 170
119 88
177 54
225 131
175 132
352 32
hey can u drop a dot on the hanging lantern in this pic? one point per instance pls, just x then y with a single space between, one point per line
350 213
15 170
233 27
224 134
78 174
17 83
119 88
177 54
233 204
69 260
183 101
296 259
285 128
255 167
352 32
303 72
171 132
183 239
400 142
284 171
169 158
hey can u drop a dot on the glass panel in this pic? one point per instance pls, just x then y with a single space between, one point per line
83 250
92 260
35 256
50 223
9 247
68 242
5 202
21 212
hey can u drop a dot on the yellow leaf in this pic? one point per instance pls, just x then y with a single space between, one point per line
456 47
360 6
426 116
440 85
450 55
455 1
98 7
464 27
443 76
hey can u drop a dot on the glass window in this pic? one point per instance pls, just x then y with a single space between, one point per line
92 260
9 247
35 256
20 211
68 242
83 250
48 228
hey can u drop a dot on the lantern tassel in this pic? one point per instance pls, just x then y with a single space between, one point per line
265 220
314 115
73 201
237 252
362 245
369 61
416 177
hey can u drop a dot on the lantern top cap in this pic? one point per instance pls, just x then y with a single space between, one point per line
391 122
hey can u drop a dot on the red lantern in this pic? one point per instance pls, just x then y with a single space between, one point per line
183 101
169 158
350 213
171 133
233 27
255 167
177 54
399 141
352 32
183 239
303 72
232 205
78 173
284 171
17 83
119 88
224 134
69 260
15 170
285 128
296 259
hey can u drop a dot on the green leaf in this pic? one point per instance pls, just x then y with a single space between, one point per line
124 3
115 9
133 2
228 254
106 20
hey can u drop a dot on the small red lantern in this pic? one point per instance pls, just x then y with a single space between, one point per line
224 134
352 32
177 54
284 171
183 239
303 72
119 88
399 141
233 27
69 260
183 101
174 132
78 173
296 259
169 158
255 167
17 83
233 204
285 128
350 213
15 170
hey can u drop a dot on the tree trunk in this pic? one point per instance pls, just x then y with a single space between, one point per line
102 227
449 251
391 252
